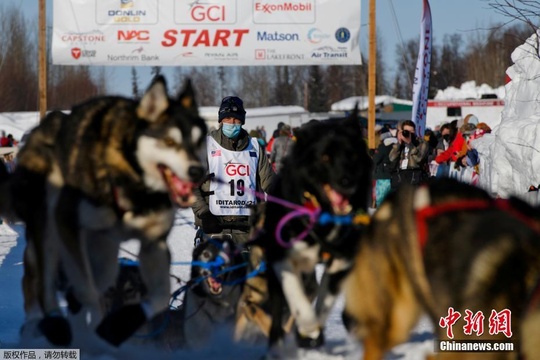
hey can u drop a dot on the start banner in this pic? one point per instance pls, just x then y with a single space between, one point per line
206 32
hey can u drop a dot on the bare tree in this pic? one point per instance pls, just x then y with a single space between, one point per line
205 83
18 56
256 85
134 82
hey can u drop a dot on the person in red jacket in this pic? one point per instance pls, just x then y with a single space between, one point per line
4 141
455 146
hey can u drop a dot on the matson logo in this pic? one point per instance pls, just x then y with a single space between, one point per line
277 36
133 35
204 37
283 7
233 169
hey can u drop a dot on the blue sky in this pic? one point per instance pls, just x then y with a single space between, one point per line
449 17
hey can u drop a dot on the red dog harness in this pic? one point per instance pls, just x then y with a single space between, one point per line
426 213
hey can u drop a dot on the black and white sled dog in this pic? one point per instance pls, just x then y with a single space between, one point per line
218 274
323 191
113 169
208 300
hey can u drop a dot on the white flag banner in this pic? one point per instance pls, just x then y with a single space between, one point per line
206 32
421 76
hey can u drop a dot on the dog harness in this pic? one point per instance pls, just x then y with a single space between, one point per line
426 213
237 175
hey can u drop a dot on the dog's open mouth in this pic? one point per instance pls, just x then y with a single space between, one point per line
339 202
180 191
214 285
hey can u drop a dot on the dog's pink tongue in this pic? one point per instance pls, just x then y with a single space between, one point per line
180 191
215 285
340 203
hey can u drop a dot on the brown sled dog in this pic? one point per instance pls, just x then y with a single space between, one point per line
441 248
113 169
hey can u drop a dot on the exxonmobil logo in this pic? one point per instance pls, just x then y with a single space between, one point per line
234 169
283 7
133 35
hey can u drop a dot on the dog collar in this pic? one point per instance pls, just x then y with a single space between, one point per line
360 218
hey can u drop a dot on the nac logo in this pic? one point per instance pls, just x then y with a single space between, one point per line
233 169
133 35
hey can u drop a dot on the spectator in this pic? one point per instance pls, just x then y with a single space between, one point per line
436 169
4 141
383 165
468 163
282 146
275 134
408 156
237 168
449 156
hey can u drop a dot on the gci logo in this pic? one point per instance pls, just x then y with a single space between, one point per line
130 35
237 169
208 13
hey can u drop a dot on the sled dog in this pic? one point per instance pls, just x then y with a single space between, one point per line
111 170
323 192
208 300
446 249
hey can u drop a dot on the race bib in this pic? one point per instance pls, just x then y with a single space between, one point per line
235 181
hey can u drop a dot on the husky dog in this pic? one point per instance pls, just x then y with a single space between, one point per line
111 170
323 191
210 297
218 274
447 247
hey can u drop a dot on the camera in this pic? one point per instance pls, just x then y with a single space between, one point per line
406 133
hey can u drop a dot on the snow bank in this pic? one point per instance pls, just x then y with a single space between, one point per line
511 154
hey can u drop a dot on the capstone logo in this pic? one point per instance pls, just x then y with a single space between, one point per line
283 7
277 36
90 37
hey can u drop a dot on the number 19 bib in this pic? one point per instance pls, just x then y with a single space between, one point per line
236 173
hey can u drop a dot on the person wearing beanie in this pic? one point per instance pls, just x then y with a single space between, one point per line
238 172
